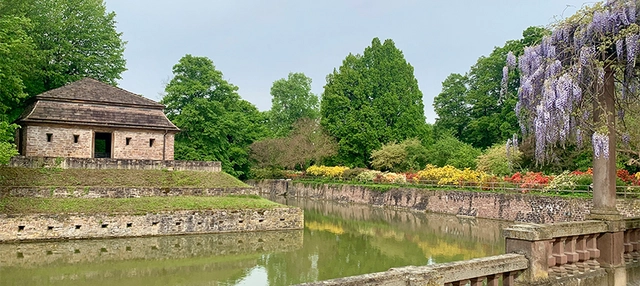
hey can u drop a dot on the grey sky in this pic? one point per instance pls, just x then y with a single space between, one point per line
256 42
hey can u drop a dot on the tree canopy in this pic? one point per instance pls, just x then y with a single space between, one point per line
73 39
372 99
292 100
474 107
216 124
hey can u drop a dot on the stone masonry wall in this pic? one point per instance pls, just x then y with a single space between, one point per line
61 144
120 192
139 146
512 207
81 226
106 163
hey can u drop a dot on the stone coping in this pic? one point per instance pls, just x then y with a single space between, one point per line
111 163
437 274
534 232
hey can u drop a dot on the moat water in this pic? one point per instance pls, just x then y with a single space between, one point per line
338 240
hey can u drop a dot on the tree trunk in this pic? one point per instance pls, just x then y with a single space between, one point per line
604 167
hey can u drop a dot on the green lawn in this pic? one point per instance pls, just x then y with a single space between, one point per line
15 205
27 177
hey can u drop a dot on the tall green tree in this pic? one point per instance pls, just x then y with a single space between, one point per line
372 99
73 38
216 124
451 105
473 106
17 53
292 100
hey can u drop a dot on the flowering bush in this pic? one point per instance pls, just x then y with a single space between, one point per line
450 175
368 176
392 178
325 171
530 180
564 181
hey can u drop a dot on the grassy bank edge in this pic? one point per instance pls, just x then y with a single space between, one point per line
142 205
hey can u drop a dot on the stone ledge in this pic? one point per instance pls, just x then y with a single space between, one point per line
81 226
120 192
107 163
535 232
437 274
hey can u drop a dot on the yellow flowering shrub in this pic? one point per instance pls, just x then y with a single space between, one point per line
324 171
448 175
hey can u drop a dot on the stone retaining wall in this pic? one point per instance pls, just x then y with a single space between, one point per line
106 163
120 192
512 207
80 226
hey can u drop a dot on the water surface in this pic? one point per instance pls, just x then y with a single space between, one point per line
338 240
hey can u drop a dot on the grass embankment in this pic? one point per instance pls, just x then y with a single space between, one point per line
56 177
48 177
15 205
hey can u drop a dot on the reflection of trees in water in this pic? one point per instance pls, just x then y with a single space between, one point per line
344 240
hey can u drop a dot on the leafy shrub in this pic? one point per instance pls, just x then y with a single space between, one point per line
351 174
495 161
450 151
368 176
408 155
267 173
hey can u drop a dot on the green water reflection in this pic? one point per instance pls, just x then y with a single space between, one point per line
338 240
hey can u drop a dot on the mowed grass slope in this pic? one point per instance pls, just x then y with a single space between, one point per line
27 177
55 177
16 205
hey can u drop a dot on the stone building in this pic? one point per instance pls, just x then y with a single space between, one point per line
91 119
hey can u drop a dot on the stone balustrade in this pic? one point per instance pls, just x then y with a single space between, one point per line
632 240
572 249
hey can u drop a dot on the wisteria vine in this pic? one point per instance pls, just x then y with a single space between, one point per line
561 77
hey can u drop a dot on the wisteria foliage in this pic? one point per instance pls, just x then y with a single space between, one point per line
561 77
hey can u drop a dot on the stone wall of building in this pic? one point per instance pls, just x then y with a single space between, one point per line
140 145
81 226
106 163
60 142
511 207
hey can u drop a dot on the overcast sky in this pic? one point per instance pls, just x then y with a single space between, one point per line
256 42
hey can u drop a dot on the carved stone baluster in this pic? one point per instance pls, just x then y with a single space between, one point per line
594 252
583 253
572 255
460 283
493 280
509 278
635 243
551 260
561 258
478 281
628 247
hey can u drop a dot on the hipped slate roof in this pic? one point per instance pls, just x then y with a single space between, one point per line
91 102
